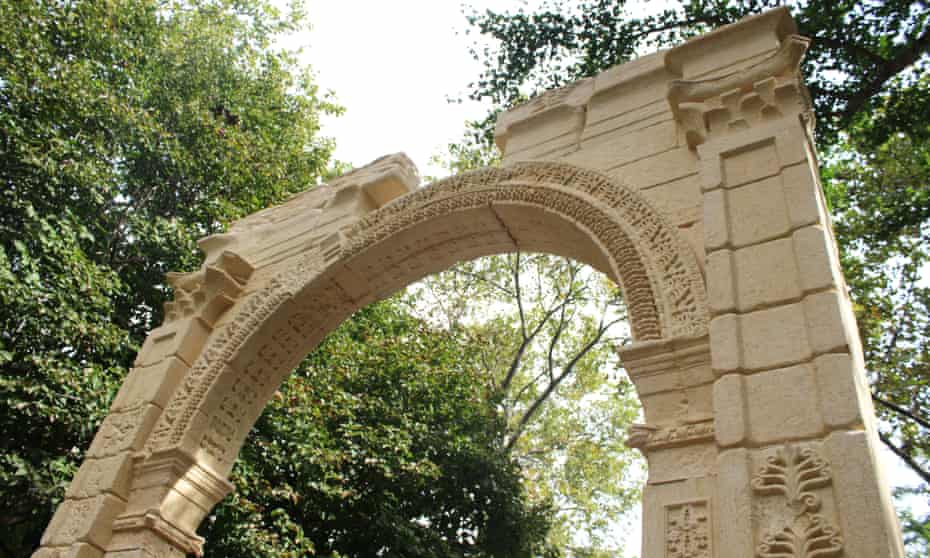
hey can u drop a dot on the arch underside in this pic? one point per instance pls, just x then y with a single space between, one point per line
541 207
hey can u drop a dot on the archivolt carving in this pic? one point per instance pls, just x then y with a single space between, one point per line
663 287
651 260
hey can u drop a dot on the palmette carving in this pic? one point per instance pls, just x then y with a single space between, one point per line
794 474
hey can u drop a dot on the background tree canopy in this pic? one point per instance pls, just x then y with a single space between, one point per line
868 69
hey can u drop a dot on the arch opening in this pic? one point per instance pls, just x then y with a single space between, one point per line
548 207
264 308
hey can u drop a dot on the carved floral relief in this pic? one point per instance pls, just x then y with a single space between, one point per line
793 475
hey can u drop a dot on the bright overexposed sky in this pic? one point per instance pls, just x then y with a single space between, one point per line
393 65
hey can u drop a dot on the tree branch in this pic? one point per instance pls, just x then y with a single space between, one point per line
906 458
901 411
891 68
550 389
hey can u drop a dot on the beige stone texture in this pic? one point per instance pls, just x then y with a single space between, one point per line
766 274
660 168
757 212
83 550
730 420
123 431
774 337
716 234
679 518
782 405
816 269
150 384
734 505
110 474
681 462
608 151
725 351
87 520
182 339
805 206
826 324
868 522
687 176
844 393
750 164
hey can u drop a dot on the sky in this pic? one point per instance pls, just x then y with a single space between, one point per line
393 66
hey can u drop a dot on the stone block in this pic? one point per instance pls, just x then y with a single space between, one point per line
673 164
725 351
783 405
150 384
828 330
124 431
716 230
96 476
86 520
611 150
844 393
182 338
750 164
766 274
562 122
774 337
721 292
868 524
801 196
83 550
636 116
791 142
734 505
676 199
757 212
816 267
729 411
680 463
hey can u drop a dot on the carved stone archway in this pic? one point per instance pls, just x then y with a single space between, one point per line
687 176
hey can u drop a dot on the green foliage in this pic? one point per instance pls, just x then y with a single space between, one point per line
130 128
545 329
127 130
862 52
382 443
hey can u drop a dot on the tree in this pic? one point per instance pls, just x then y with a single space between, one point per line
546 330
381 443
868 70
128 129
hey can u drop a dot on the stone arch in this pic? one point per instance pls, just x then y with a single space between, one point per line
308 295
256 321
747 384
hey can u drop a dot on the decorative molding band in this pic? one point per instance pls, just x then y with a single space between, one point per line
188 543
645 358
647 438
764 91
